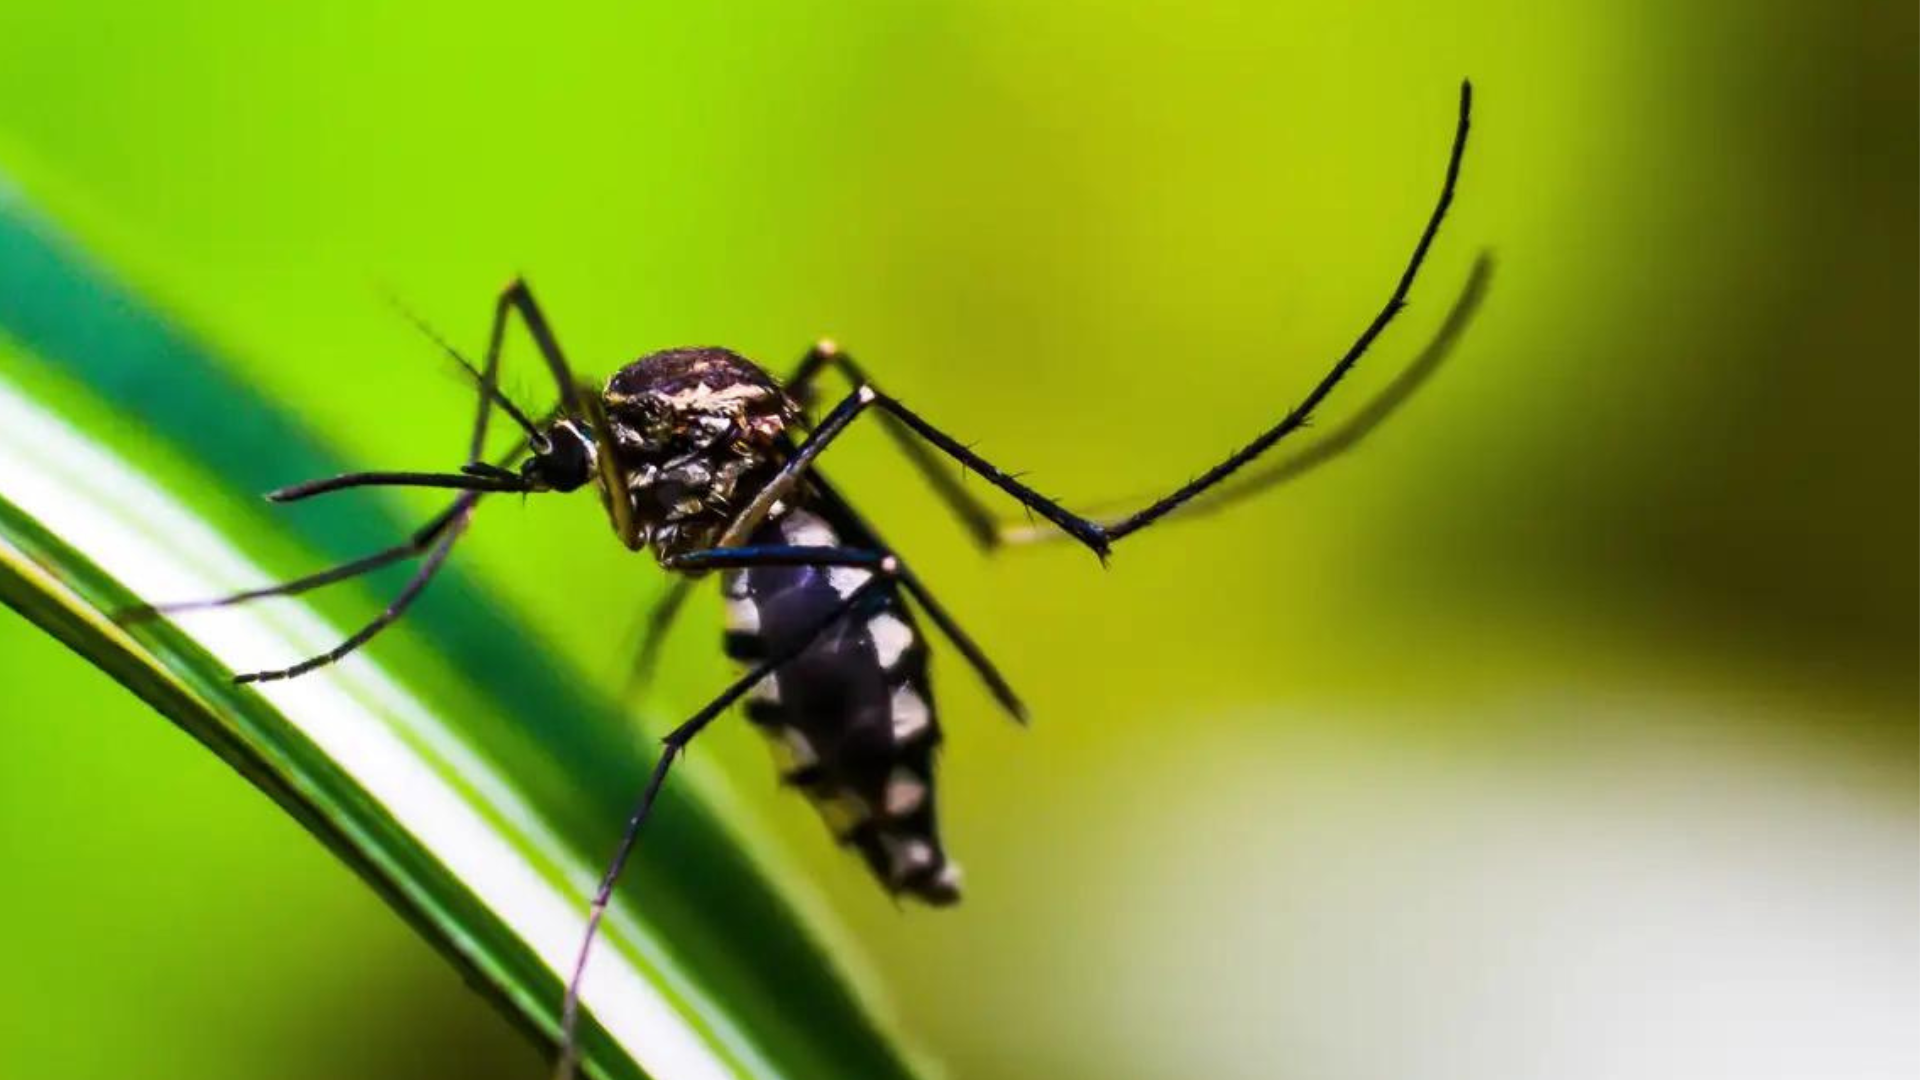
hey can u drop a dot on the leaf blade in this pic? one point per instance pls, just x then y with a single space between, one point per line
722 949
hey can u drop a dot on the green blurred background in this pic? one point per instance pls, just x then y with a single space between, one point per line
1566 730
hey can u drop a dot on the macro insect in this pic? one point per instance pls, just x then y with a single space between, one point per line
704 459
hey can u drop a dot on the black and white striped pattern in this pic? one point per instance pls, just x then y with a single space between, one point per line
850 718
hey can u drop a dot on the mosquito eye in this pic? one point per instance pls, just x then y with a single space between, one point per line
565 463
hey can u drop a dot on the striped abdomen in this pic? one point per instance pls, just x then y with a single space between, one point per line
850 718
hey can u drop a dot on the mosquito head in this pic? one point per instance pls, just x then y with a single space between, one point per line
562 459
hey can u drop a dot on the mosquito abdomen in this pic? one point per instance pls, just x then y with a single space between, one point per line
851 717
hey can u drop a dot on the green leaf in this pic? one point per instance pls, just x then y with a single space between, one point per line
475 785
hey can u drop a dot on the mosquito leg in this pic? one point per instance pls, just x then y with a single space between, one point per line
843 415
421 540
864 534
517 297
824 354
437 538
1096 537
881 562
659 621
865 538
1338 441
1300 413
976 658
728 558
613 477
436 556
478 474
575 400
671 747
981 525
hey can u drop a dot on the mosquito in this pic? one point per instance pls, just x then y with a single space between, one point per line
704 459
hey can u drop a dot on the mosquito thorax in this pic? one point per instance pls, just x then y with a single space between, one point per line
697 430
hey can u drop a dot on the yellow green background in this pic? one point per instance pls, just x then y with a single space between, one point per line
1568 729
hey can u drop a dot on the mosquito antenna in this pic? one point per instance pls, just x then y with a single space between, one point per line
487 386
